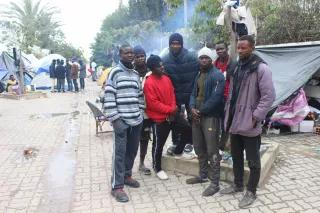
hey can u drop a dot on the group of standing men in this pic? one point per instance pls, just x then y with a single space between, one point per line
72 71
141 94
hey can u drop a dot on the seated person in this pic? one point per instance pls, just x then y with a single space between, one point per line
12 85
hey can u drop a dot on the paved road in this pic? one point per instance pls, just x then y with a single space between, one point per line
68 168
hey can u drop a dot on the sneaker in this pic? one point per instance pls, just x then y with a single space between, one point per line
247 199
129 181
210 190
231 190
144 169
120 195
196 180
189 155
162 175
170 149
188 148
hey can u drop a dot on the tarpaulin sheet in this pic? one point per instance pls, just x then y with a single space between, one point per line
292 65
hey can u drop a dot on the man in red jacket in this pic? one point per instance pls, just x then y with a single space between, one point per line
161 107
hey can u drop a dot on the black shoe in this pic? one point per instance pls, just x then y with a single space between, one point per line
247 199
210 190
120 195
129 181
231 190
196 180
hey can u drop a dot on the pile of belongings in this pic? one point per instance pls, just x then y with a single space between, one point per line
242 19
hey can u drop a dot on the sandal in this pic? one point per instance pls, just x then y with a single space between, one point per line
145 170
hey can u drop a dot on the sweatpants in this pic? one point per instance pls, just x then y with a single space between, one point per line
75 85
160 135
206 145
251 145
181 133
125 148
82 84
145 137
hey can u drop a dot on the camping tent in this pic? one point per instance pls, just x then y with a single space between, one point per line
45 62
292 65
42 81
8 68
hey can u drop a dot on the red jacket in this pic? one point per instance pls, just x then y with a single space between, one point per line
160 97
223 68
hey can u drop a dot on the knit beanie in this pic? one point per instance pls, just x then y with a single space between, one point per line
207 52
153 61
137 50
176 37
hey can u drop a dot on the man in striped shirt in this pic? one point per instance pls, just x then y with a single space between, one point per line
124 107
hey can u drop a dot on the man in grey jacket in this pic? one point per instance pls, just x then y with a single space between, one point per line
251 97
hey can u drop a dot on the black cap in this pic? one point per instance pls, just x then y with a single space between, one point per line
153 61
176 37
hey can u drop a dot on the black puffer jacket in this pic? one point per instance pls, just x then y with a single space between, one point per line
182 70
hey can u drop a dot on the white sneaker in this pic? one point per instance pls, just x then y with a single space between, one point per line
189 156
162 175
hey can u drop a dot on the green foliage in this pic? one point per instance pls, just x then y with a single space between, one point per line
35 22
136 24
36 25
146 9
278 21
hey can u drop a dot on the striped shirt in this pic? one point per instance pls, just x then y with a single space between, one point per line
123 96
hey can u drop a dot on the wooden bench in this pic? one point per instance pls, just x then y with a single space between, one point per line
99 117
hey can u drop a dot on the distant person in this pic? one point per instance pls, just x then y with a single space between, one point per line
75 68
161 108
182 67
207 105
124 107
61 75
52 73
83 74
251 97
140 65
94 71
13 85
68 75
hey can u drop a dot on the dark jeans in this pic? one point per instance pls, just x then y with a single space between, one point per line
75 85
82 83
206 145
251 145
145 137
160 135
181 133
70 86
126 144
60 84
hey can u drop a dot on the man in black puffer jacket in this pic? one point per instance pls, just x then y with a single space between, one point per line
182 67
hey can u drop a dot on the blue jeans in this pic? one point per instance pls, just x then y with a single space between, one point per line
70 85
60 85
125 148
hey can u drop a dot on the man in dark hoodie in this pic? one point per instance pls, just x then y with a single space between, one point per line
61 75
68 75
182 67
251 96
206 104
140 65
52 73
